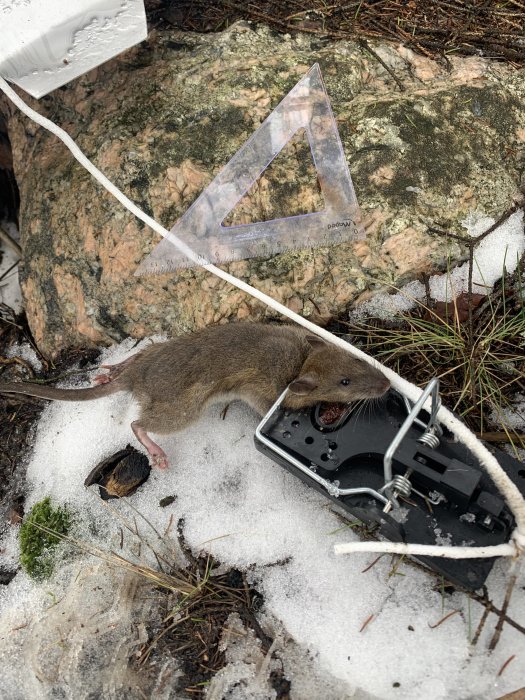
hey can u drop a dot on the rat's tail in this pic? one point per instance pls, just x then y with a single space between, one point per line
50 392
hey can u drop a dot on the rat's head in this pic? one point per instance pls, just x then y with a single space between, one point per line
330 374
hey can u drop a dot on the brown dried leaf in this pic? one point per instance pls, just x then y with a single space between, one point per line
454 311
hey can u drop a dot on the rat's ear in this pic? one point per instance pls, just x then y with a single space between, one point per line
316 342
303 385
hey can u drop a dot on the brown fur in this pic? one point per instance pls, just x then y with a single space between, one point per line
254 362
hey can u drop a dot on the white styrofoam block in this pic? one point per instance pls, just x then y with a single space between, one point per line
46 43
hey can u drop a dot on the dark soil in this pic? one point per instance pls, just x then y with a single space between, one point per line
17 418
192 628
9 196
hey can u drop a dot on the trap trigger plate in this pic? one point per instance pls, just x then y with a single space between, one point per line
444 496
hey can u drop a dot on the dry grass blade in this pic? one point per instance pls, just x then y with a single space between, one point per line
177 583
193 626
478 377
443 619
433 28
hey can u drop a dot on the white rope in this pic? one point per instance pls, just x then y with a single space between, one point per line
426 550
487 460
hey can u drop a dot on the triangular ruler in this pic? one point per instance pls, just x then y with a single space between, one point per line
306 106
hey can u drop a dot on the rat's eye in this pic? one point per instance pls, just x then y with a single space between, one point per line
345 381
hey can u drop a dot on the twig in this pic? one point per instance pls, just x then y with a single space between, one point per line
471 243
448 234
6 272
516 565
364 44
8 240
474 240
426 283
495 436
506 215
440 622
481 624
487 603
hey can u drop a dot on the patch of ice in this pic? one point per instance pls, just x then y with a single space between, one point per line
400 515
9 549
468 517
513 417
442 538
437 497
388 306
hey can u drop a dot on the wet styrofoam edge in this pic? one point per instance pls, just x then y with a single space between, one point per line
45 45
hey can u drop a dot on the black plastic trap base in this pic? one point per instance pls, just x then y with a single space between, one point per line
453 501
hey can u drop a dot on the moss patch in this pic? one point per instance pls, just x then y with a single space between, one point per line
37 547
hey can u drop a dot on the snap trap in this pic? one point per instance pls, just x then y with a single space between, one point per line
393 465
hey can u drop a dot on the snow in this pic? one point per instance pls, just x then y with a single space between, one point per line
9 548
387 306
25 352
499 251
249 513
513 417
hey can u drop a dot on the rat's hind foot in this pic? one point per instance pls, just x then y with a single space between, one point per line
114 371
160 461
157 455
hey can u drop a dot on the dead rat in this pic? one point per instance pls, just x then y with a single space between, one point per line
174 381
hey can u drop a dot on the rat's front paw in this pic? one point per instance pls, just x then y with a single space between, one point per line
102 379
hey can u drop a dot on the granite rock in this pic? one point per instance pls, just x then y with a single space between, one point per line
162 119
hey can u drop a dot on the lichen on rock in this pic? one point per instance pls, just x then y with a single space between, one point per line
161 121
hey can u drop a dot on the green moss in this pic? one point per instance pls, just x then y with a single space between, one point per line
37 547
